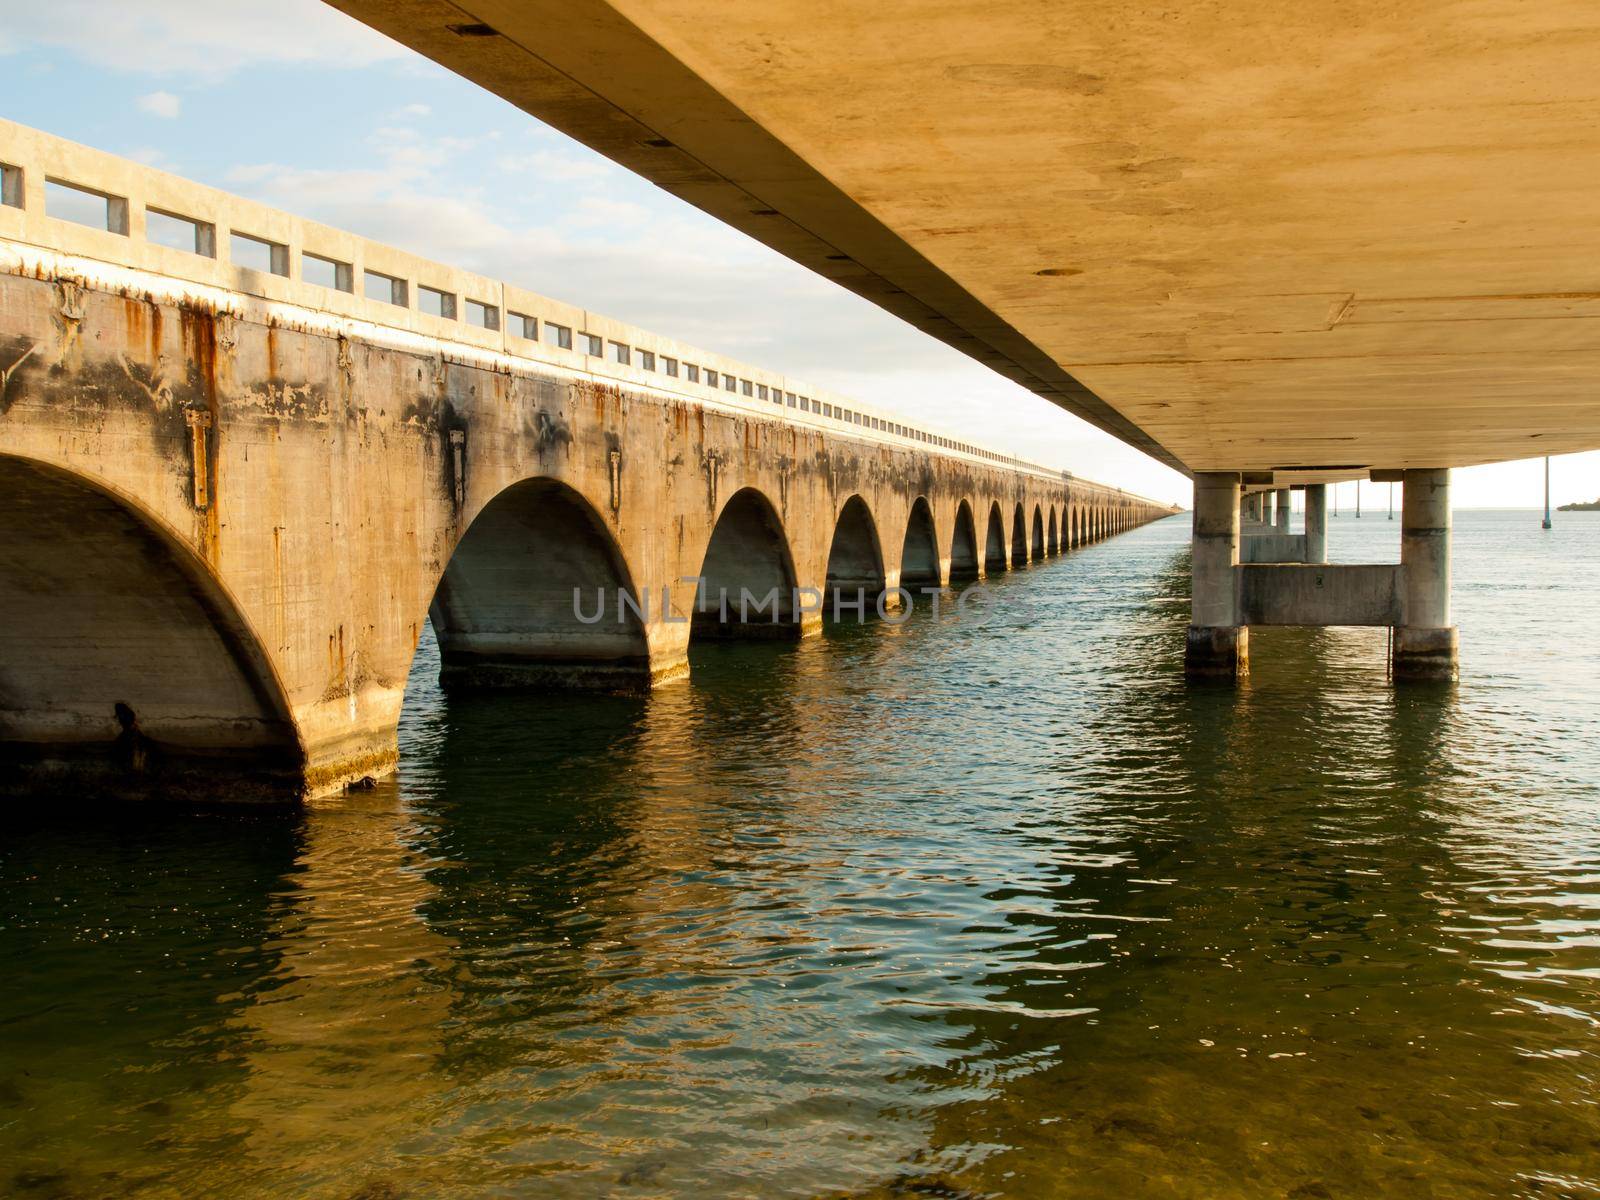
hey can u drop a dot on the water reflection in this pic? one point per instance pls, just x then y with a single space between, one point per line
993 907
342 1044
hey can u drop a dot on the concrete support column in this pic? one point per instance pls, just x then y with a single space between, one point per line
1425 645
1283 510
1317 523
1218 645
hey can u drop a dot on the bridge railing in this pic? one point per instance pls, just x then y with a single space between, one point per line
74 200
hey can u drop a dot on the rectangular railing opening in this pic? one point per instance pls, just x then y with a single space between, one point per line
10 185
326 272
387 288
436 303
88 206
179 232
258 254
484 316
85 206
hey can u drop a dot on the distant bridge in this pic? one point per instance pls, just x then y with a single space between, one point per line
243 458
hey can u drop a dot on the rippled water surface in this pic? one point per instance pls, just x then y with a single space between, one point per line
960 908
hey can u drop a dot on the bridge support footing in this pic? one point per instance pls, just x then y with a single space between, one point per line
1425 655
1217 651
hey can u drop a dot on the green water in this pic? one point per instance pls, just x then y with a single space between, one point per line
960 908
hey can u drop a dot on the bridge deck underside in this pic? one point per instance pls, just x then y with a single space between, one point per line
1283 236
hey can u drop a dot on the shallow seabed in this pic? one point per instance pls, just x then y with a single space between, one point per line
992 907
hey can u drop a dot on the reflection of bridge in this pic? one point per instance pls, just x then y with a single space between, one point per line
243 454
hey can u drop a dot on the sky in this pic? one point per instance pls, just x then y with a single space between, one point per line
298 106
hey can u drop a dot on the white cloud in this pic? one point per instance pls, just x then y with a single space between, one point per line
414 110
160 104
559 167
197 38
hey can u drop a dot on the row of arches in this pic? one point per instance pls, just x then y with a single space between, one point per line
503 612
147 652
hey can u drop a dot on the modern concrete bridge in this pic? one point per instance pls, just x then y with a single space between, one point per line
244 458
1276 244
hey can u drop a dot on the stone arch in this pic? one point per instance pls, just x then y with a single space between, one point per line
855 560
964 545
1052 543
748 561
1036 535
537 595
1019 536
919 553
123 659
995 558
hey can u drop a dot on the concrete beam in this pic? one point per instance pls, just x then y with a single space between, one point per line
1273 548
1318 594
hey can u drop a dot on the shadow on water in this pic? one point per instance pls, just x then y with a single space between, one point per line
131 940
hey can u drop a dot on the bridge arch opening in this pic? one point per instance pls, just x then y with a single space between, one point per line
855 562
964 545
1052 543
1019 537
123 660
919 553
749 575
994 542
1036 541
537 595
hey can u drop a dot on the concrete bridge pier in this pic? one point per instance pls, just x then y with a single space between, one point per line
1218 644
1425 645
1284 496
1273 577
1316 536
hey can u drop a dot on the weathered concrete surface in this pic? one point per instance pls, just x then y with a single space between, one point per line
1218 644
1272 547
229 514
1425 645
1319 594
1106 203
1316 535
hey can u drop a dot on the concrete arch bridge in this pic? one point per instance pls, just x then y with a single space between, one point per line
244 458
